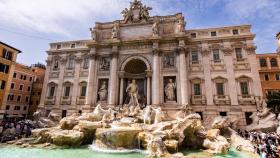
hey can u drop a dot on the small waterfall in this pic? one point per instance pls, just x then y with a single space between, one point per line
115 151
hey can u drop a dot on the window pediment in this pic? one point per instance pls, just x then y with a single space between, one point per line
219 79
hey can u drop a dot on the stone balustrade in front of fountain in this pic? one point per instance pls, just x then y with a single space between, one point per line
124 128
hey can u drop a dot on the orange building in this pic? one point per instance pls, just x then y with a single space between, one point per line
269 69
20 92
8 56
39 70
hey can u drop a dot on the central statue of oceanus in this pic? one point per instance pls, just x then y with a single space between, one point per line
132 90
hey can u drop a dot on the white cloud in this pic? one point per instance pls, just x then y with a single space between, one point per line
50 16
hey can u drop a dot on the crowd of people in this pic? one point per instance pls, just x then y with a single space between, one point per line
267 145
10 130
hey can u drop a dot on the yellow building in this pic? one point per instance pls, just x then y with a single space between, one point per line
8 56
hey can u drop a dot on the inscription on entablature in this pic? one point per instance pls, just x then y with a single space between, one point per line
135 32
128 47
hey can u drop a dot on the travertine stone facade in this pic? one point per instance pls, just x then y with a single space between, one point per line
214 70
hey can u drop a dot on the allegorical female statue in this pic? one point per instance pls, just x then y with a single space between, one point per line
115 31
103 91
170 90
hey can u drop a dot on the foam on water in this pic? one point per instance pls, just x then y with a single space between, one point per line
114 151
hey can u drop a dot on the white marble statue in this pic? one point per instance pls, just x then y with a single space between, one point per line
147 115
170 90
132 90
155 29
180 26
159 115
103 91
115 31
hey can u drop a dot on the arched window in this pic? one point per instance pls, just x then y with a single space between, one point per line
263 63
273 62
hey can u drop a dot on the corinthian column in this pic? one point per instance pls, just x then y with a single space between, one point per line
183 75
155 77
113 76
90 82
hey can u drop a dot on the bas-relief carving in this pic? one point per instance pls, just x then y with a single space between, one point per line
104 63
169 60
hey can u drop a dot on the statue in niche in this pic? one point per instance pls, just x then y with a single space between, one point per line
102 92
132 90
180 25
170 90
105 64
169 60
155 29
115 31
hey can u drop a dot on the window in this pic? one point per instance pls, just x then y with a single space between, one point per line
8 107
58 46
263 63
238 52
67 91
24 77
194 58
220 88
7 54
4 68
248 118
21 87
30 79
193 35
213 33
10 97
196 88
216 56
2 84
64 113
273 62
83 90
244 88
12 86
21 77
15 75
17 108
29 88
25 108
27 99
86 63
223 113
71 63
73 45
55 65
266 77
51 92
18 98
80 112
277 77
235 32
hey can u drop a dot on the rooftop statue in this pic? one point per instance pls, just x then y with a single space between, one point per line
137 12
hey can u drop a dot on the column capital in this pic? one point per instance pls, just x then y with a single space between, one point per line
205 51
180 49
148 73
156 51
115 50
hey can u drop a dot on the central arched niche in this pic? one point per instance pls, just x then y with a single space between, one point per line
135 66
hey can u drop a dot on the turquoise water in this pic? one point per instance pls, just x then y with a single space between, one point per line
16 152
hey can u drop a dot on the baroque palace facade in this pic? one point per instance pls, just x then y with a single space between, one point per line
213 71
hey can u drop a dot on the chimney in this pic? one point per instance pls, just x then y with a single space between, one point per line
278 38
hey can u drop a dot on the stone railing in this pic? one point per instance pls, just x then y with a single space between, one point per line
246 99
81 100
221 99
241 64
195 66
69 72
65 100
218 65
198 99
50 100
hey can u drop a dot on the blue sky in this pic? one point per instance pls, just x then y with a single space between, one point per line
30 25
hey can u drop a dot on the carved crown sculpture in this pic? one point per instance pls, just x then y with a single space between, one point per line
136 13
